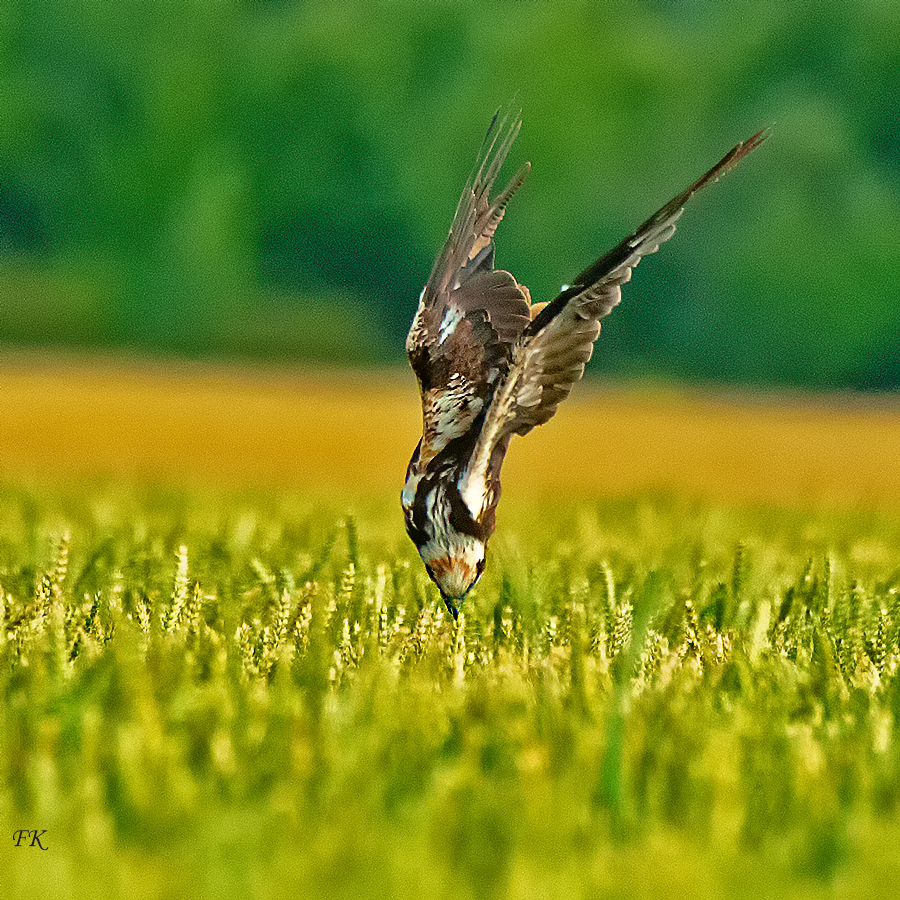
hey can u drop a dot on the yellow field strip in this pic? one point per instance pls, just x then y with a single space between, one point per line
355 432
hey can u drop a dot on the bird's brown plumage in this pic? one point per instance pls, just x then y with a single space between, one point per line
550 356
490 364
470 314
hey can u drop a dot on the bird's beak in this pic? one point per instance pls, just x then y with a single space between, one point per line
453 610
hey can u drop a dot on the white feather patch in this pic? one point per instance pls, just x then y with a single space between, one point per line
474 494
409 491
451 319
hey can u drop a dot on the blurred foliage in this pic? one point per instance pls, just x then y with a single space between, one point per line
274 178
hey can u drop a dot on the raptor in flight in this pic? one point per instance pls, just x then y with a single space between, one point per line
491 364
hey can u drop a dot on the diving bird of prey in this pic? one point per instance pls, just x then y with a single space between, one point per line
491 364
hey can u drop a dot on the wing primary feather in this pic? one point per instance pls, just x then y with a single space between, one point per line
671 212
550 356
469 231
614 267
469 314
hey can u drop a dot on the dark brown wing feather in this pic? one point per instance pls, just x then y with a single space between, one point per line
470 314
550 357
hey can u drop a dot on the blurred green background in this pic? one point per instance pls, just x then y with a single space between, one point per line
272 179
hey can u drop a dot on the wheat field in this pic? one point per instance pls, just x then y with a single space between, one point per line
225 673
337 431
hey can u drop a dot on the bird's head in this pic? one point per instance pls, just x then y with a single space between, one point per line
455 567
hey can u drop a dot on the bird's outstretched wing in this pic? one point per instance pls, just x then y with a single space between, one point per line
469 315
551 354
